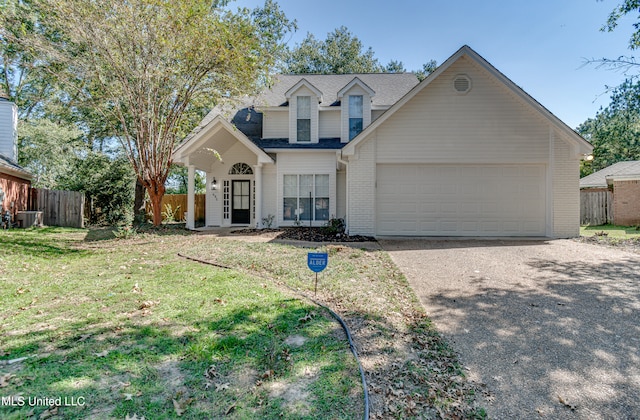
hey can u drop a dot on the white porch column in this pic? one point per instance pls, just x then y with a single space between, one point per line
257 170
191 198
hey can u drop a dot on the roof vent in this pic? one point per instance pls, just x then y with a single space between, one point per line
462 83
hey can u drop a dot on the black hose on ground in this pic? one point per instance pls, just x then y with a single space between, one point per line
352 345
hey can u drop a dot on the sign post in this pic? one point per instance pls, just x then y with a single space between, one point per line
317 261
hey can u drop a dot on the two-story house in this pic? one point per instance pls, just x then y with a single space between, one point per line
465 152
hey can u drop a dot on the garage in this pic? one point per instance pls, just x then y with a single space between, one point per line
460 200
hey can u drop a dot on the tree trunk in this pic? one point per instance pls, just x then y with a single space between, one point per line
156 192
139 210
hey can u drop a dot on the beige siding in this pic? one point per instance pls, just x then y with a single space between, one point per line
366 110
270 192
330 124
341 194
566 190
486 125
293 123
213 199
275 125
306 163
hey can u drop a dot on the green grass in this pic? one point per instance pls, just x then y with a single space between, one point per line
127 327
611 231
396 340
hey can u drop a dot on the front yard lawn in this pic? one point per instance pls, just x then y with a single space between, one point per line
124 328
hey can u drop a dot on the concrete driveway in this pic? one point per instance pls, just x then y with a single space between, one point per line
551 327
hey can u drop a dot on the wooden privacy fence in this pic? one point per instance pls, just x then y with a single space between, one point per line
596 207
59 208
175 200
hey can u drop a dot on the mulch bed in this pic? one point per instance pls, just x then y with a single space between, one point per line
310 234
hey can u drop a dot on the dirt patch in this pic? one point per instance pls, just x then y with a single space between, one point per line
295 392
243 379
295 340
172 378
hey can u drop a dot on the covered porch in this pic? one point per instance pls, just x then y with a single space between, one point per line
233 165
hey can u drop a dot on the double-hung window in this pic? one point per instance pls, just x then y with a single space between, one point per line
355 115
306 197
304 118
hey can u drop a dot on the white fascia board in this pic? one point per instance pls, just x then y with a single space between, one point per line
215 125
280 150
352 83
308 85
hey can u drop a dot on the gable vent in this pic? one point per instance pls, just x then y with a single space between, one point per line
462 84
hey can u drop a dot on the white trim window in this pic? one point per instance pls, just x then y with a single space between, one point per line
303 118
305 197
355 115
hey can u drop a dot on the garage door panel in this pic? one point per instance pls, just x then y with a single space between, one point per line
461 200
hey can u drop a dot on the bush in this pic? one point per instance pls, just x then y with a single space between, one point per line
335 226
108 185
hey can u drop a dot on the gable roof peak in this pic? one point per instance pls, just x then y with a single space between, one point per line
304 82
356 81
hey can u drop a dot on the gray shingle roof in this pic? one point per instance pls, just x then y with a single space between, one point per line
6 163
332 143
388 87
599 179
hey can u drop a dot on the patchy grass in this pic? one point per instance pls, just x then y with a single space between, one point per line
126 327
411 371
620 237
611 231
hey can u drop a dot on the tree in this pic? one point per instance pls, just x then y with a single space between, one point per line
620 11
340 53
394 66
178 181
427 68
149 66
615 130
47 149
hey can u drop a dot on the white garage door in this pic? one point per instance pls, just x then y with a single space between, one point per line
460 200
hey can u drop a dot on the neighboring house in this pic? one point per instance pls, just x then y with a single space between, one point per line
465 152
14 180
616 190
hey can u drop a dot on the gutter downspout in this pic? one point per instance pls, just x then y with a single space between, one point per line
339 159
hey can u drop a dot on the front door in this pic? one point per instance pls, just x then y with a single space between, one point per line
240 202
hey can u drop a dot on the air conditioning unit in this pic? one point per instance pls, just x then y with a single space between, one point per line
27 219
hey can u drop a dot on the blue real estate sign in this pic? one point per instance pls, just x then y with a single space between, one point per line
317 261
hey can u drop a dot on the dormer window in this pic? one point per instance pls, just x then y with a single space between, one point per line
355 115
304 101
355 108
304 118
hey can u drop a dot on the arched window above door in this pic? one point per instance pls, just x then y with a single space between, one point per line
240 169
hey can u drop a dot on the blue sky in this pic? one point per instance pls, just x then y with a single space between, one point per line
540 45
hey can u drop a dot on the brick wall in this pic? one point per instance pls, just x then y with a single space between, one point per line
626 202
361 178
16 190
